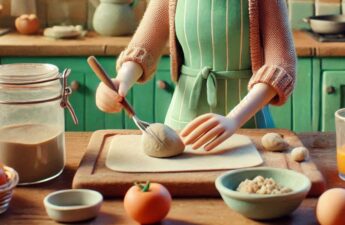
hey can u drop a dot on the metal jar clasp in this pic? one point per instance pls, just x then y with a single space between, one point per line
66 92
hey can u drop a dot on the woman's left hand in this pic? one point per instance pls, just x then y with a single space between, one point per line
210 129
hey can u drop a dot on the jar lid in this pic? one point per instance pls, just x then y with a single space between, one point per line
22 73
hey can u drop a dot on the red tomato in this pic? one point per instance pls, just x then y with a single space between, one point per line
149 203
27 24
3 176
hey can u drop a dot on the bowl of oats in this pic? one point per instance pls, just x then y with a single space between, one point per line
263 193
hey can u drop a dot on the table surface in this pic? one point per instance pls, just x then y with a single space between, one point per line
27 203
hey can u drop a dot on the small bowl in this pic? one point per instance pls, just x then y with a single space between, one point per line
6 190
73 205
260 206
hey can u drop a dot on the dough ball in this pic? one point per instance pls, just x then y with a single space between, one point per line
172 146
299 154
274 142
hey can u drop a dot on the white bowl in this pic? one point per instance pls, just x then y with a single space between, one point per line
73 205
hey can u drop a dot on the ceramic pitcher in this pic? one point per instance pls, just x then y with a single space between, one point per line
115 17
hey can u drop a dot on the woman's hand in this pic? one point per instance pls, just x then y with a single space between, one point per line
210 129
109 101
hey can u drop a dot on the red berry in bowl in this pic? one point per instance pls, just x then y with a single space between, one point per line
3 175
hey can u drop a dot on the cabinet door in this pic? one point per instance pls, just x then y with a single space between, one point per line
296 113
282 115
164 89
111 120
164 92
94 118
302 97
333 97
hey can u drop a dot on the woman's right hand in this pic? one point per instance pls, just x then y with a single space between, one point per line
109 101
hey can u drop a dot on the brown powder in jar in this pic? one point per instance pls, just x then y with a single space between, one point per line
35 151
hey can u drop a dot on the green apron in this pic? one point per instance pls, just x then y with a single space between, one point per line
214 36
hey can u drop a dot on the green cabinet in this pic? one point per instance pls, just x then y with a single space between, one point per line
331 91
333 97
319 92
149 100
296 113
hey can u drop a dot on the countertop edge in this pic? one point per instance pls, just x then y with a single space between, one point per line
14 44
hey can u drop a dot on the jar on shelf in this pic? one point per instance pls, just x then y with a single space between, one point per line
32 101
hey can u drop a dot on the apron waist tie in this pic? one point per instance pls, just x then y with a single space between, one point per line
211 76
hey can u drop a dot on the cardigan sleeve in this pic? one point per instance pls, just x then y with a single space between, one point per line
149 40
279 56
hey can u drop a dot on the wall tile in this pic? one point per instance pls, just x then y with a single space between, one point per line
6 20
41 12
326 7
299 10
92 5
52 12
66 12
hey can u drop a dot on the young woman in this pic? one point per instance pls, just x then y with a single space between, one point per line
218 48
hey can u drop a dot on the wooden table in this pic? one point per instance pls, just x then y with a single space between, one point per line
27 204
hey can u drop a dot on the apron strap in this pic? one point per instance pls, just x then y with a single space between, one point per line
211 76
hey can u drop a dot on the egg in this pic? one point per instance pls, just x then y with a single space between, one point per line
331 207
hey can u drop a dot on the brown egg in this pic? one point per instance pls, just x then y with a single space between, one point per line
330 207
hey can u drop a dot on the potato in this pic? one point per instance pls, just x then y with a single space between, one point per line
299 154
274 142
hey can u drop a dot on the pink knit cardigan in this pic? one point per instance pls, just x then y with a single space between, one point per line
273 56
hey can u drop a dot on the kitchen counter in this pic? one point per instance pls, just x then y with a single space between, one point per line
27 204
14 44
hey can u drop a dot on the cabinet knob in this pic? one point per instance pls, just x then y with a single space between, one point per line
75 85
330 90
162 84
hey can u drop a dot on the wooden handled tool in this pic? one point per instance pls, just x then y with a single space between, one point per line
105 78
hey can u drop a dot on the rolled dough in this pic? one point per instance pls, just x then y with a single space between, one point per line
125 155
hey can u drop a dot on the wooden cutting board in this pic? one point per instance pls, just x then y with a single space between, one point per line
92 172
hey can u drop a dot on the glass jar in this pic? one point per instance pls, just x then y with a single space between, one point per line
32 102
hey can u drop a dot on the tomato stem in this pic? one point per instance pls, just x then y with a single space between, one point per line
143 187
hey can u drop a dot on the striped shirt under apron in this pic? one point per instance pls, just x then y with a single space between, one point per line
214 35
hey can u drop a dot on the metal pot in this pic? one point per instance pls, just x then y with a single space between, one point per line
327 24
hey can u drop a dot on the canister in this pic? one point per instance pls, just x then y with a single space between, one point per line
32 101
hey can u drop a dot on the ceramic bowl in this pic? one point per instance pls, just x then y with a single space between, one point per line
6 190
260 206
73 205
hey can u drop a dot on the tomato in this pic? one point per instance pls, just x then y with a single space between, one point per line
3 175
149 203
27 24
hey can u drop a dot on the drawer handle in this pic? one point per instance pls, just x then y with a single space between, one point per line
75 85
162 84
330 90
